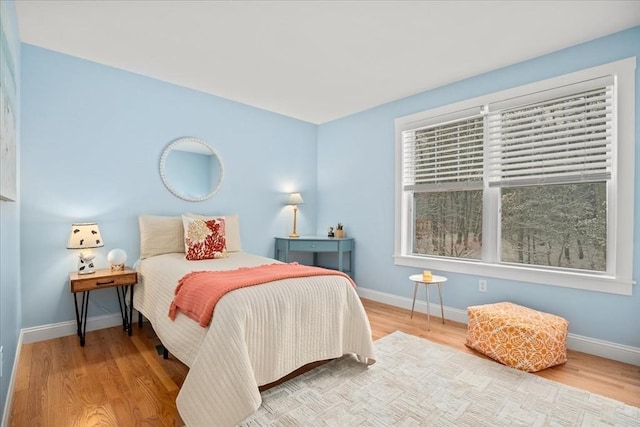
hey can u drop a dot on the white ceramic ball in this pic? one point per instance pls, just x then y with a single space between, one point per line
117 256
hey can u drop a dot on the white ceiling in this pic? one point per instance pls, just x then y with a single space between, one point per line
315 60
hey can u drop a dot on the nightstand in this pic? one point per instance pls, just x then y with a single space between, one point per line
123 281
317 244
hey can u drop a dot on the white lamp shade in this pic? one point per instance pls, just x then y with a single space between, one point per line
84 235
295 199
117 256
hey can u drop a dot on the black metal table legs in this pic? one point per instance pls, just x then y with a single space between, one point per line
127 315
126 311
81 316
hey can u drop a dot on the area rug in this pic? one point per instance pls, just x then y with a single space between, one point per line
416 382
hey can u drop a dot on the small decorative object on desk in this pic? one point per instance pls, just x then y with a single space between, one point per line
427 276
330 233
117 258
340 231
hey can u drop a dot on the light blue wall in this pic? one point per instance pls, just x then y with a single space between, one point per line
356 186
10 316
91 144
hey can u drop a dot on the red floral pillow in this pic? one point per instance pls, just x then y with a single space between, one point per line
204 239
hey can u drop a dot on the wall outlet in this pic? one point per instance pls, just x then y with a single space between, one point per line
482 285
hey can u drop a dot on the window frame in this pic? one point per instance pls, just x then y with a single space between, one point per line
620 195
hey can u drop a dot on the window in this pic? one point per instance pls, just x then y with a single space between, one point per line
443 169
531 184
555 226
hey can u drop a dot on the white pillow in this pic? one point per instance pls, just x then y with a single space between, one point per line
160 235
231 226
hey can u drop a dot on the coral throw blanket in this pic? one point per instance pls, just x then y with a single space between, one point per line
198 292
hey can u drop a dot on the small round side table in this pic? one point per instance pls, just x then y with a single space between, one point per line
435 280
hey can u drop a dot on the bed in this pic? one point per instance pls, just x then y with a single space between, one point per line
257 335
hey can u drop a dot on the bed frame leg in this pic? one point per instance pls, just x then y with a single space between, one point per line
165 353
139 320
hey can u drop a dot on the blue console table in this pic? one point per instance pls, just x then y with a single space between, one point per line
317 244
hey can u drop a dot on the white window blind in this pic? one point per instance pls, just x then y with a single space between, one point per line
567 138
447 155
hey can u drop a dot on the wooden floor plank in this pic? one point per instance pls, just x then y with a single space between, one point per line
120 380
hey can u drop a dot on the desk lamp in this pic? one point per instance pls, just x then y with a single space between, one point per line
85 235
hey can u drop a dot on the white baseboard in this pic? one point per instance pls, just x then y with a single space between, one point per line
9 400
606 349
450 313
63 329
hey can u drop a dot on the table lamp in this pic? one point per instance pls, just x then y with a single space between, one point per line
295 199
85 235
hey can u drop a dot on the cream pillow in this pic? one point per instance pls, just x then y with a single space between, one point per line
160 235
232 229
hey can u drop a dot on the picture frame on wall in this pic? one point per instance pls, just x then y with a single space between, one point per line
8 125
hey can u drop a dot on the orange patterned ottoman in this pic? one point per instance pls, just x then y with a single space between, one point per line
517 336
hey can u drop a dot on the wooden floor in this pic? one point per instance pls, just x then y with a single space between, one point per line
116 380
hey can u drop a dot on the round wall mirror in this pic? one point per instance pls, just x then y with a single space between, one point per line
191 169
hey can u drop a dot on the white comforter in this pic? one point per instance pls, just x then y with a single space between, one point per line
258 334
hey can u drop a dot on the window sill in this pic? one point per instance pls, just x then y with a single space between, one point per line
567 279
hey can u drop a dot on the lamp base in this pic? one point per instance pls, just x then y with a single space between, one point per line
117 267
295 220
85 263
